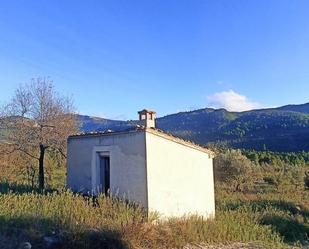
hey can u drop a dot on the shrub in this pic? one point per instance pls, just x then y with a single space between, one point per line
234 169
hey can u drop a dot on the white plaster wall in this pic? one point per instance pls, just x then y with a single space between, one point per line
180 179
127 164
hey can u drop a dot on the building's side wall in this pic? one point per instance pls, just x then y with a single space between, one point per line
180 179
127 164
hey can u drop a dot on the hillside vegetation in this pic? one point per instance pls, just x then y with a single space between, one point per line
277 129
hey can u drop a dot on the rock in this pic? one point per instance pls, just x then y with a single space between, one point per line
51 241
25 245
93 233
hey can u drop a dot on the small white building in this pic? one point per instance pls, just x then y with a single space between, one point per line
144 165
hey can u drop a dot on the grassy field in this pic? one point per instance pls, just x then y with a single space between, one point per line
79 223
264 214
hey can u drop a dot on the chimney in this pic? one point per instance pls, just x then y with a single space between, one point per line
147 118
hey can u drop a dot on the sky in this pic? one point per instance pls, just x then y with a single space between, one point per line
117 57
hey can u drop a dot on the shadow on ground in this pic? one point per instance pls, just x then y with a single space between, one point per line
18 188
293 226
47 234
259 205
292 230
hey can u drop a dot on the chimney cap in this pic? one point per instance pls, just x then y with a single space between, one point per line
144 111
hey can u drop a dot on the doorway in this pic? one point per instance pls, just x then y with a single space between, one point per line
105 174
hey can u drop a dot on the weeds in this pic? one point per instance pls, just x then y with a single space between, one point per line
264 210
77 221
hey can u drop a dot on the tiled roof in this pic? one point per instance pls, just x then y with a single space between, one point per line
145 111
108 132
154 131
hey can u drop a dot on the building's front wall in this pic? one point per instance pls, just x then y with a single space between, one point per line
127 164
180 178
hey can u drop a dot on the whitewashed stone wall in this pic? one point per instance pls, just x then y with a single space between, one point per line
180 179
127 164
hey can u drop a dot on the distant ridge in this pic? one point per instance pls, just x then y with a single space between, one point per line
284 128
304 108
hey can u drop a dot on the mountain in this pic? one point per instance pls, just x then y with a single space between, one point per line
89 124
304 108
284 128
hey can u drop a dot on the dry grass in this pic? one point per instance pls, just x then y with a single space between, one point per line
264 215
108 223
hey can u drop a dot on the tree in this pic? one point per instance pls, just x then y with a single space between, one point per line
234 169
37 121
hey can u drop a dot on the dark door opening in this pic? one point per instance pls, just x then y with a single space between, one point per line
105 174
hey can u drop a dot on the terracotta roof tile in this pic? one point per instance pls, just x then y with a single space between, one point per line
154 131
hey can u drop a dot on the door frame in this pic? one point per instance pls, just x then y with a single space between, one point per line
97 152
104 165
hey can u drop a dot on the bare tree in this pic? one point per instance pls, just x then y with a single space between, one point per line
38 121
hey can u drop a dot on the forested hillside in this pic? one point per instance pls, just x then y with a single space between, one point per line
284 128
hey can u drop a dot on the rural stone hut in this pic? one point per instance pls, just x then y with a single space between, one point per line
144 165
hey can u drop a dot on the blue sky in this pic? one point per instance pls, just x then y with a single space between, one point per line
116 57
